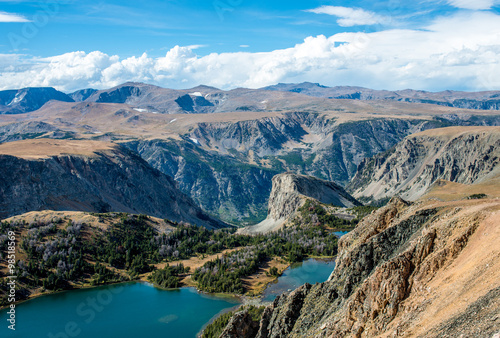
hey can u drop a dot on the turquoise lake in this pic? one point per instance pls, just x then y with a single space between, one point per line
310 271
139 309
125 310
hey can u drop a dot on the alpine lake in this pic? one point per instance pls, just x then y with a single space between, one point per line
140 309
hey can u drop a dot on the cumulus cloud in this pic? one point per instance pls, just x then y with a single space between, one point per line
9 17
473 4
457 52
350 16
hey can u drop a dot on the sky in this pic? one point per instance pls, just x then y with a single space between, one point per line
390 44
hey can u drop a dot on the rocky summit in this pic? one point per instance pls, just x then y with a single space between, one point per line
290 191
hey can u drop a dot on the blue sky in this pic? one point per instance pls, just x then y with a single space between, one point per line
132 27
252 43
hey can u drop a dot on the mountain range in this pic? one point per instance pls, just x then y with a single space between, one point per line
224 154
205 99
62 175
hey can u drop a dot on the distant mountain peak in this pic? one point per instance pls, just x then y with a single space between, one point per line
28 99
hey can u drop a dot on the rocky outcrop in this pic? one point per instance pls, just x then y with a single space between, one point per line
89 176
406 270
463 155
289 193
241 325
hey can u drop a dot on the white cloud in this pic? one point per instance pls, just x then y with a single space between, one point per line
350 16
9 17
456 52
473 4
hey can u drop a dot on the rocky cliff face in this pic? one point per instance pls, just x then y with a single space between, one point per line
235 161
289 193
221 184
463 155
407 270
82 94
89 176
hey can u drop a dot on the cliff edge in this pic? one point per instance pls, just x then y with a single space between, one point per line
290 191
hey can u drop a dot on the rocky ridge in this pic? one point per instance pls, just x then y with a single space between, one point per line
462 155
24 100
413 269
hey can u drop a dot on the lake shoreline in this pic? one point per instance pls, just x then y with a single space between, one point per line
245 299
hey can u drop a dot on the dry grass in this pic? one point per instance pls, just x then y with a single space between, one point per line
452 191
42 148
257 282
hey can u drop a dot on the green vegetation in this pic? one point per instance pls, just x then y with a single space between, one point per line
375 203
477 196
363 210
273 271
224 274
60 254
168 277
214 330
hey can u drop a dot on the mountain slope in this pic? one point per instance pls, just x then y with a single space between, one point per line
88 176
156 99
290 191
428 269
28 99
457 154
